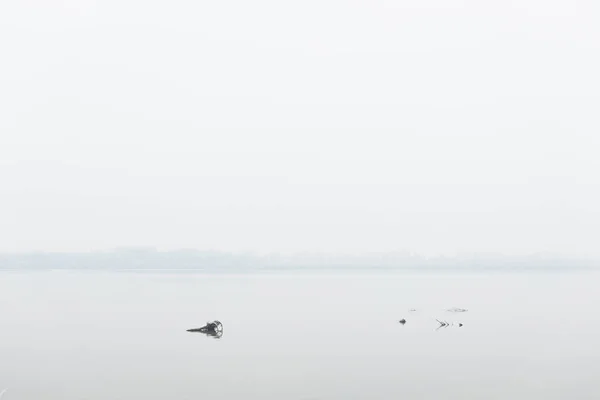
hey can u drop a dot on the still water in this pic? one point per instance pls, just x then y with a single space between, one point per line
114 335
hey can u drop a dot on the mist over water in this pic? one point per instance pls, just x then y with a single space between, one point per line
118 335
341 166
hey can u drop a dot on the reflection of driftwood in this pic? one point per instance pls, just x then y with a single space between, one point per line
214 329
216 334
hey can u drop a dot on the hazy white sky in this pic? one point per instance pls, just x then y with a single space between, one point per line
435 126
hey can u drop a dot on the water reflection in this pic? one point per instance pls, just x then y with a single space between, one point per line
216 335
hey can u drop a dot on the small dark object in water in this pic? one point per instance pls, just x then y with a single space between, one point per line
402 321
446 324
456 309
214 328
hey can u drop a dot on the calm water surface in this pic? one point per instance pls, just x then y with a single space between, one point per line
100 335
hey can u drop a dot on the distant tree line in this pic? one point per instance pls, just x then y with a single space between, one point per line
216 261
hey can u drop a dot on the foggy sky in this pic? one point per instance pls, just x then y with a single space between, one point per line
434 126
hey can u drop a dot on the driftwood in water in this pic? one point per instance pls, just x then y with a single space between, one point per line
445 324
214 329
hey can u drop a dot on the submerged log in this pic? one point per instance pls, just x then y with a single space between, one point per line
445 324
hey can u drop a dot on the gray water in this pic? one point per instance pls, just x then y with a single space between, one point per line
101 335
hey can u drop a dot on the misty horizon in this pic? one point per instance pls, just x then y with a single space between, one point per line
212 260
